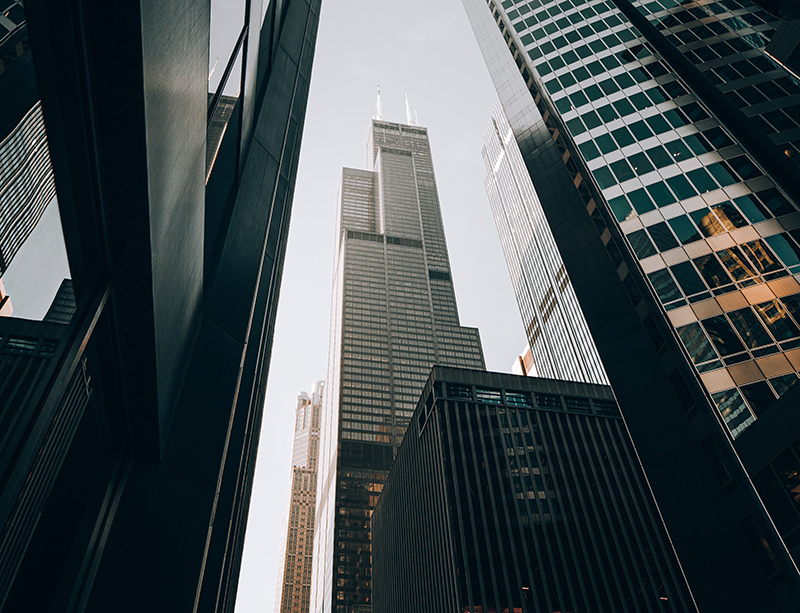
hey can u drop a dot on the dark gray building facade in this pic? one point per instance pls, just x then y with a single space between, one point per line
660 140
394 315
520 494
130 433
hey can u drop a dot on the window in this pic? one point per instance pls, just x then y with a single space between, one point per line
548 400
750 328
680 186
722 335
777 320
641 201
713 273
733 409
696 343
641 244
759 396
684 229
688 278
660 193
662 236
664 285
485 394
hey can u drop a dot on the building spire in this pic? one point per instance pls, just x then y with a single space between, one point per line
409 119
378 107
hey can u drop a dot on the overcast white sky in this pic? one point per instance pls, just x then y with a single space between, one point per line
428 48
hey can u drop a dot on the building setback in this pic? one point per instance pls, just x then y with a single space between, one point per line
662 143
394 315
520 494
129 430
294 577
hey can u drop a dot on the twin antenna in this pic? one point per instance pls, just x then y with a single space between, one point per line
379 110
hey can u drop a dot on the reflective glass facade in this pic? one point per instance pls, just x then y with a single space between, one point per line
294 575
716 237
674 208
394 315
520 494
558 337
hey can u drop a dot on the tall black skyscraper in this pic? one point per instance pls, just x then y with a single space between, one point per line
394 315
661 139
520 494
129 434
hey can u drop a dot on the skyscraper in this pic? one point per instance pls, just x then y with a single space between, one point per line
559 341
394 315
129 434
520 494
660 140
294 576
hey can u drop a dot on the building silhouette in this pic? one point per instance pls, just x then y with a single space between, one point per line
394 315
129 434
662 144
294 577
520 494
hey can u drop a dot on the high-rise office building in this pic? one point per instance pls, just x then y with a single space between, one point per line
129 434
520 494
394 315
559 341
661 141
294 576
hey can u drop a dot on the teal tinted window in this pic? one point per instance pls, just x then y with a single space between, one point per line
607 113
596 68
604 177
722 335
575 126
721 173
675 119
712 271
578 99
656 95
752 208
697 144
760 397
640 101
624 80
563 105
786 248
680 187
606 143
743 167
567 79
641 243
660 193
622 170
640 130
776 203
702 180
591 120
659 156
609 86
678 150
623 107
658 124
663 237
593 92
684 229
641 165
622 209
583 51
581 74
623 137
589 150
783 383
641 201
696 343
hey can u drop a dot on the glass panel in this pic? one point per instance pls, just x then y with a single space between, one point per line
775 316
733 409
707 222
762 256
786 248
696 343
712 271
688 278
684 229
735 262
722 335
729 215
662 236
750 328
641 244
664 285
783 383
759 396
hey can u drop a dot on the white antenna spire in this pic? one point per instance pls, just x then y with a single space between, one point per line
409 119
416 117
378 108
